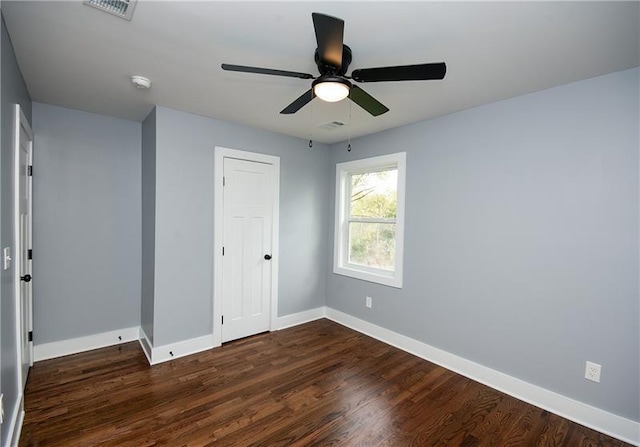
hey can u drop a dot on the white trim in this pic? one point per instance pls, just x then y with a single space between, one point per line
158 354
15 440
592 417
19 121
340 239
180 349
17 418
303 317
218 174
87 343
145 344
589 416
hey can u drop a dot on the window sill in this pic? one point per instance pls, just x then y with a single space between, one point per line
391 280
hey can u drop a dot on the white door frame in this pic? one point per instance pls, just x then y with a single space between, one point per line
20 121
218 218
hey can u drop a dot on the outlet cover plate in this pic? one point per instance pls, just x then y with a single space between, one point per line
369 302
592 372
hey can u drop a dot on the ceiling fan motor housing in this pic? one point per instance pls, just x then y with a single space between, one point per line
330 70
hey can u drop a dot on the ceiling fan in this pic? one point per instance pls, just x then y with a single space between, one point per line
333 58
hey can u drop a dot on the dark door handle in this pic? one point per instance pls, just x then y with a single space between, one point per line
267 257
26 278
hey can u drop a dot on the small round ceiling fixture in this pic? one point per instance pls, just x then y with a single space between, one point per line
141 82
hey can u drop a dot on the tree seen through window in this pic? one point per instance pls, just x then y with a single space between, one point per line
372 219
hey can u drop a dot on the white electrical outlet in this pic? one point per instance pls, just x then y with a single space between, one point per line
1 409
369 302
592 372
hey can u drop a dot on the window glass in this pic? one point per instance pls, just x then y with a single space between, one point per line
372 244
374 194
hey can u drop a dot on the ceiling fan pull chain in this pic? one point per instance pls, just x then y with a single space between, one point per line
350 108
311 123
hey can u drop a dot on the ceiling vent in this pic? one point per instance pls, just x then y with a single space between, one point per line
331 125
120 8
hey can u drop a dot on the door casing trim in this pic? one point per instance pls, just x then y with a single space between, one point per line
218 218
20 120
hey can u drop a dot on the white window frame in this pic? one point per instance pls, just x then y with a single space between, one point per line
341 264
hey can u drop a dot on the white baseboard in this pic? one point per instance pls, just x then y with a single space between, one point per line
174 351
17 429
300 318
592 417
81 344
145 343
158 354
17 418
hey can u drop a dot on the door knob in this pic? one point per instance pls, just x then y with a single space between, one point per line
26 278
267 257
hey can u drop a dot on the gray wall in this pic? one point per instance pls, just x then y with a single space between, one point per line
521 236
184 219
521 239
86 226
148 223
12 91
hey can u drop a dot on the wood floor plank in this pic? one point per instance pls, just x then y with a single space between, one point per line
318 384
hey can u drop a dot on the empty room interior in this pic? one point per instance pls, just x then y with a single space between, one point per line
319 223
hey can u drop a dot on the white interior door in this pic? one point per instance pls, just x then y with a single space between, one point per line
247 244
24 153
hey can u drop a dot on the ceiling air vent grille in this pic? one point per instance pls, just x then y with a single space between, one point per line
331 125
120 8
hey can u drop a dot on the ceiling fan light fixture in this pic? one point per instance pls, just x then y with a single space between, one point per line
331 89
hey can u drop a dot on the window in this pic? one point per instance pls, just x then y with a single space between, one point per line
369 229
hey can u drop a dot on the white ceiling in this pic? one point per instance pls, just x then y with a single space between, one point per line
76 56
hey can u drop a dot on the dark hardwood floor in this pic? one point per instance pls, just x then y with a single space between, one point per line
315 384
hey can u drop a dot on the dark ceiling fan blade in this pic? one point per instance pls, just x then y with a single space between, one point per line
367 102
267 71
329 35
420 72
299 103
